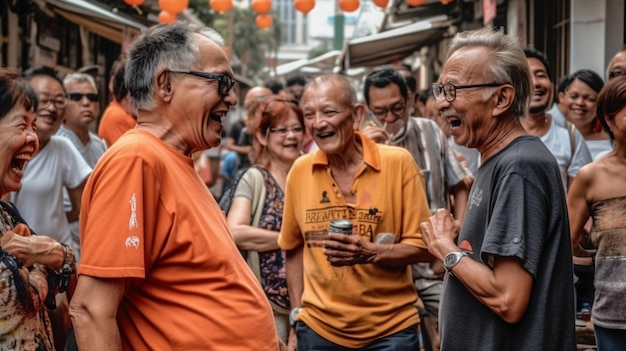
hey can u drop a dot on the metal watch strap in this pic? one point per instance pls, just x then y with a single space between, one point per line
452 259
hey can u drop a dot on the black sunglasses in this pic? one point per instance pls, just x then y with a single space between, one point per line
225 82
79 96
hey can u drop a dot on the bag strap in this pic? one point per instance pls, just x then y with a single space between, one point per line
571 128
257 181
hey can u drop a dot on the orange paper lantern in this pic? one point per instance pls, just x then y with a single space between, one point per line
173 6
349 5
416 3
134 2
304 6
445 2
221 5
166 17
381 3
261 6
263 21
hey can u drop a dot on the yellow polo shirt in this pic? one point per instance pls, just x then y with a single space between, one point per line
354 306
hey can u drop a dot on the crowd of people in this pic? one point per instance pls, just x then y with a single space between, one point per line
432 220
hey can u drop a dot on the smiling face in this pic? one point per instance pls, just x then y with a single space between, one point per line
52 105
18 144
198 110
579 101
389 107
470 114
329 116
541 100
79 114
284 140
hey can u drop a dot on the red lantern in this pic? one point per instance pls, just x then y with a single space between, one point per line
134 2
263 21
261 6
349 5
381 3
166 17
304 6
173 6
416 3
221 5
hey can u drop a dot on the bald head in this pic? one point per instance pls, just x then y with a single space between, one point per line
256 94
617 66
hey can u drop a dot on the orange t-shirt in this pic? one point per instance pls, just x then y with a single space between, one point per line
114 123
147 216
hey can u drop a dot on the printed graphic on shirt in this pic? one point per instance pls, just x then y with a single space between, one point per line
316 221
132 222
132 241
325 198
476 198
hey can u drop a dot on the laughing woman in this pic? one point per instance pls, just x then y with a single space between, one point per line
599 192
259 197
25 259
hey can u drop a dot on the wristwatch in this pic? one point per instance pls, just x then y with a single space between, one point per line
292 316
452 259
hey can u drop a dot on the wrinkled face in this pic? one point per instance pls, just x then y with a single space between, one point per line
579 101
18 144
52 105
618 65
388 107
542 93
470 114
329 117
198 108
284 141
80 110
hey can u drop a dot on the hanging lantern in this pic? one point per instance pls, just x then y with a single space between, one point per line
381 3
263 21
304 6
261 6
416 3
167 17
445 2
349 5
173 6
134 2
221 5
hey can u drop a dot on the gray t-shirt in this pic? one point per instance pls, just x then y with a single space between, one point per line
516 209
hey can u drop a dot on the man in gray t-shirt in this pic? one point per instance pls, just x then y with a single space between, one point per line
509 281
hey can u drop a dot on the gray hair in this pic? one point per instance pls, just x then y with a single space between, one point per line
348 93
508 63
78 78
164 45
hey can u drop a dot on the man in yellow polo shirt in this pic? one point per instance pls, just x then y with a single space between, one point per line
352 291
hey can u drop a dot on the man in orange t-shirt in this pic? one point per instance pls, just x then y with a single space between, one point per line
118 117
160 268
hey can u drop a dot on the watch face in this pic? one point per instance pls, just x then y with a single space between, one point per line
450 259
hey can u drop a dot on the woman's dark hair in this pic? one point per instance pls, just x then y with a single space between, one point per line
587 76
611 100
14 89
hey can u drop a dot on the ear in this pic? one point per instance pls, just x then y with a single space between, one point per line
505 98
261 138
164 84
358 112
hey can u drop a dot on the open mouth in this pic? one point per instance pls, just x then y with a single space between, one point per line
325 135
19 161
455 122
217 117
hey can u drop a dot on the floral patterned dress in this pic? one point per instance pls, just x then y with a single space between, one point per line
272 263
24 322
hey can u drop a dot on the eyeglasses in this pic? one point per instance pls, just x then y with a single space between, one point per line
396 110
79 96
282 131
225 82
58 102
616 73
449 90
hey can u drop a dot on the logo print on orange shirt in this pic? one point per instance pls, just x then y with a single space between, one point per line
132 222
132 241
325 198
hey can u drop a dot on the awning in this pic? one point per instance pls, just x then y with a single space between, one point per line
395 44
323 63
96 19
